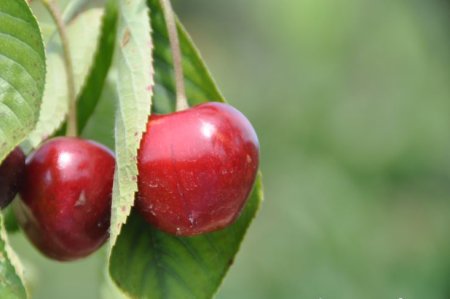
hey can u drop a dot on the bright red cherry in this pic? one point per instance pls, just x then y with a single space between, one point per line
196 169
11 172
66 197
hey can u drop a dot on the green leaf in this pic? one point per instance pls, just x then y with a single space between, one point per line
22 77
11 286
92 91
82 34
22 73
200 86
134 86
147 263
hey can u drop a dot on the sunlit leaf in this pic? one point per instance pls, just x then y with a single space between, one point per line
22 77
82 34
134 87
22 73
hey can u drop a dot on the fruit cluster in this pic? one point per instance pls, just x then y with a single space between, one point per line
196 170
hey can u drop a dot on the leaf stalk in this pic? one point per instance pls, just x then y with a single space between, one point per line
169 15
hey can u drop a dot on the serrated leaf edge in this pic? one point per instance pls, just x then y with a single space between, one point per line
127 211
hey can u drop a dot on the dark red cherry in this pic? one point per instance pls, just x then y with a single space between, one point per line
66 197
11 172
196 169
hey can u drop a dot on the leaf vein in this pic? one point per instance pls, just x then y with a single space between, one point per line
27 45
28 105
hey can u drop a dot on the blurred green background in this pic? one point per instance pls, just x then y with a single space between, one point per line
351 100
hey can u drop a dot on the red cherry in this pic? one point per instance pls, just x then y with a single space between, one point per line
66 197
196 169
11 172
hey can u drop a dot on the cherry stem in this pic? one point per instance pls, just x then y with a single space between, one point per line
55 13
171 24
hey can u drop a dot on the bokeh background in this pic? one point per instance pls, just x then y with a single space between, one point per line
351 100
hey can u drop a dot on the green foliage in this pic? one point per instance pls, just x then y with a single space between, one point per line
200 86
22 69
122 56
22 76
92 90
11 286
135 89
350 99
161 266
82 33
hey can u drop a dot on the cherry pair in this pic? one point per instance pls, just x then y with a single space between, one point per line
196 170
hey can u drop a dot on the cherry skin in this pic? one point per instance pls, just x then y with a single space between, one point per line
66 197
11 172
196 169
